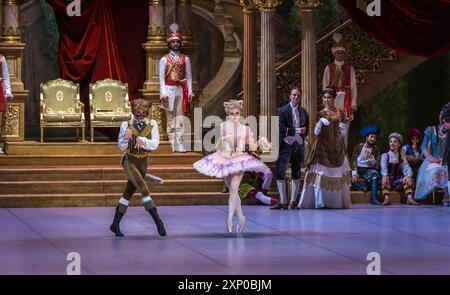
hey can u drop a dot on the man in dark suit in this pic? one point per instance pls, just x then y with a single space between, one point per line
294 126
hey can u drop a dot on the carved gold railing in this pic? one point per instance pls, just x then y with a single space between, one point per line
363 53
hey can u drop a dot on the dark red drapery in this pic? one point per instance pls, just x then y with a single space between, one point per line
416 27
104 42
131 25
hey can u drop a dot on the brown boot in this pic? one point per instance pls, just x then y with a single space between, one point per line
115 228
159 224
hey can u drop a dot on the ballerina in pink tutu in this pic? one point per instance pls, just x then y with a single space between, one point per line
232 159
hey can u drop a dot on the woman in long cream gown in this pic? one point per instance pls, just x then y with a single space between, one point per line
327 180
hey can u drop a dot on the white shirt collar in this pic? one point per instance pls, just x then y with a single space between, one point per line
292 106
174 53
339 63
393 155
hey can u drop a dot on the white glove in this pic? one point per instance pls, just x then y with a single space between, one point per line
252 145
318 128
342 129
324 121
264 144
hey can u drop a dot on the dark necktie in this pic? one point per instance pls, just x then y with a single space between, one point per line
139 125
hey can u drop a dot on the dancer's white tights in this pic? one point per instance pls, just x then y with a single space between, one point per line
234 202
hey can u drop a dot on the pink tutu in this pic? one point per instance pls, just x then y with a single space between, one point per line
219 165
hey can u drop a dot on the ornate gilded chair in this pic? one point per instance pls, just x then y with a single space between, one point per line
109 104
61 106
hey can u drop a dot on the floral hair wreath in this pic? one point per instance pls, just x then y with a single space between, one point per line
233 104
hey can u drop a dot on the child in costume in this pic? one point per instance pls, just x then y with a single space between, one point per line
396 171
365 162
137 137
256 185
412 151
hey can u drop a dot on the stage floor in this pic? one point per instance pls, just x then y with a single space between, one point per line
410 240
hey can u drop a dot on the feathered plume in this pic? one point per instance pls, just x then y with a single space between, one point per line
337 37
174 27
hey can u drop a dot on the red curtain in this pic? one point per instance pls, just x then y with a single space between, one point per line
415 27
131 25
104 42
88 43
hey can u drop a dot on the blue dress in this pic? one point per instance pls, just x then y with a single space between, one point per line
431 176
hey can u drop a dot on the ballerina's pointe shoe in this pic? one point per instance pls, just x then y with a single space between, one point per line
241 224
229 225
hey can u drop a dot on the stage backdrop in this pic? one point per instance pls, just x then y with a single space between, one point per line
104 42
416 27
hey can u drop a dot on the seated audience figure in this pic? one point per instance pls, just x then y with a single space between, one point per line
396 172
256 185
412 151
432 173
365 162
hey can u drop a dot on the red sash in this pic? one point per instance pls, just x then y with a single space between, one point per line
181 68
184 87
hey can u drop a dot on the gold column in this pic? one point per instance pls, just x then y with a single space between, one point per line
183 17
309 67
155 48
219 12
268 81
250 66
12 48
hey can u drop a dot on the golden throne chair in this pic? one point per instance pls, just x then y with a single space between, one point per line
61 107
109 104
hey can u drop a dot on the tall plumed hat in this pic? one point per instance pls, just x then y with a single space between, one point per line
174 35
338 39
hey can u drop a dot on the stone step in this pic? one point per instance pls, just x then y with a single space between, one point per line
94 160
161 199
72 148
109 200
80 173
104 186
